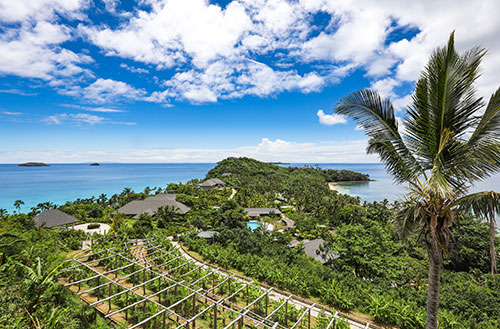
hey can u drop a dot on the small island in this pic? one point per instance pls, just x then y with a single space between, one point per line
33 164
94 164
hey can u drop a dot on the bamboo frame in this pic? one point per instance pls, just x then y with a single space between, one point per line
140 254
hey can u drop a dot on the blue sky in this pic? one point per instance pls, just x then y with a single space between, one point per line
197 81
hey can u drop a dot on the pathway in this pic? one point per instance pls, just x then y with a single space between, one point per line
232 194
315 311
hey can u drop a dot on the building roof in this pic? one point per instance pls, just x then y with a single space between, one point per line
257 212
212 182
150 205
53 218
312 248
207 234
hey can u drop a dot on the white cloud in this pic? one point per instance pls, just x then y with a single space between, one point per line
22 10
330 119
266 150
385 87
11 113
219 50
80 119
108 90
31 45
34 52
133 69
17 92
93 109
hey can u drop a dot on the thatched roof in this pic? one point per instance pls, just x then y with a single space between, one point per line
53 218
212 182
258 212
150 205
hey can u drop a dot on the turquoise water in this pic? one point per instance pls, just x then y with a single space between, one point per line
59 183
253 225
66 182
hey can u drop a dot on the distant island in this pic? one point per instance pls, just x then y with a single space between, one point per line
94 164
33 164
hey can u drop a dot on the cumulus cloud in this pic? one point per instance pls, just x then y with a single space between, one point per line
265 150
330 119
108 90
215 58
31 45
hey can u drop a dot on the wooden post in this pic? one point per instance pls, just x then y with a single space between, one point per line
309 320
109 300
247 295
116 266
159 288
133 270
126 303
144 280
98 289
229 286
194 311
240 323
215 316
164 319
267 302
286 313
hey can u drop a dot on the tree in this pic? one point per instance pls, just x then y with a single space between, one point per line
37 280
485 205
3 212
18 204
166 215
434 154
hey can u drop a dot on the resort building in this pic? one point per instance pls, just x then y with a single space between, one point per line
211 183
54 218
151 204
260 212
312 248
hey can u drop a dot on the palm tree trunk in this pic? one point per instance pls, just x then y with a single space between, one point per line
435 262
493 233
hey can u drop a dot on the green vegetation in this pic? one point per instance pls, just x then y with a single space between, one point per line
450 141
372 272
261 184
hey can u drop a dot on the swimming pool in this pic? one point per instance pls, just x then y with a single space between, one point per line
253 225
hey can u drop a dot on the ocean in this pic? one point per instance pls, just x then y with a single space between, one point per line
59 183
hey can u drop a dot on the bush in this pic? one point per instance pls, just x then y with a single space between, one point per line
93 226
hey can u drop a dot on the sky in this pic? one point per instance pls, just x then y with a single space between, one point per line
197 81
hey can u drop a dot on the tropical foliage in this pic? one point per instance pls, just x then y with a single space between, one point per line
448 141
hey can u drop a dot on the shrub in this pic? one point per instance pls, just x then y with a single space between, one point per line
93 226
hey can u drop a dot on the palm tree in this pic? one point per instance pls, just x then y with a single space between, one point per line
447 144
485 205
3 212
18 204
37 280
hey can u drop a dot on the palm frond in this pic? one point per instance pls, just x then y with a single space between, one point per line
376 116
443 109
408 219
481 204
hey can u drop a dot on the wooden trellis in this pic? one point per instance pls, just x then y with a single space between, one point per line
149 285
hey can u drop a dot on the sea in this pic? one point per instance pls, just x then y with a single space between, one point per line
59 183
